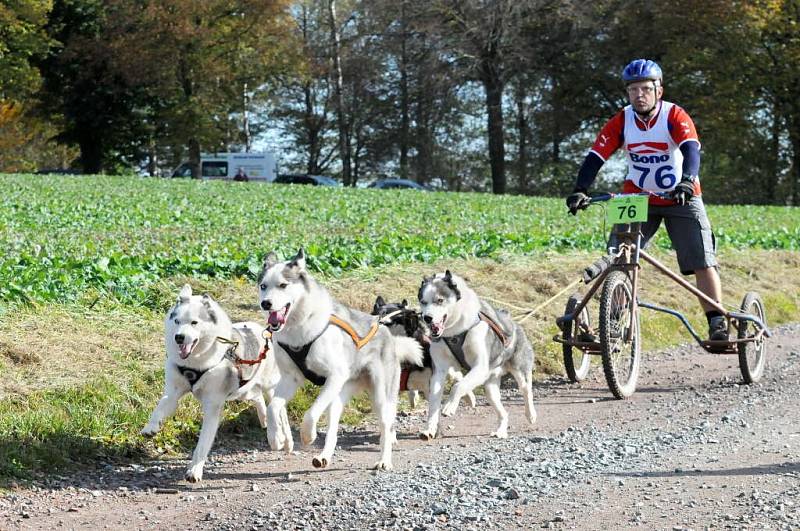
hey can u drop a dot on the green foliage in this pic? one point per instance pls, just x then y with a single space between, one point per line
22 41
64 236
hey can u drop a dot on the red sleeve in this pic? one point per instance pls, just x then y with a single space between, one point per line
610 138
681 126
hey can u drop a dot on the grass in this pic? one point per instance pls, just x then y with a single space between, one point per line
80 380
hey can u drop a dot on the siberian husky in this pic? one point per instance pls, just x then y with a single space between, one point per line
215 361
404 321
468 333
340 349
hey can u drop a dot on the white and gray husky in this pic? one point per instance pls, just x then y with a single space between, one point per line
340 349
216 361
469 334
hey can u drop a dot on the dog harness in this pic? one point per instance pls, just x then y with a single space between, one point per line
456 343
407 368
193 375
299 354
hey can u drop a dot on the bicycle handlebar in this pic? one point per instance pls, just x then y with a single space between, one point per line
606 196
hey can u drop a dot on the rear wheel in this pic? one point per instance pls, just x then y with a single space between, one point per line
619 335
752 356
576 362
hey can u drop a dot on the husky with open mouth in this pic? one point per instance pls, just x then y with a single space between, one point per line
216 361
338 348
405 321
469 334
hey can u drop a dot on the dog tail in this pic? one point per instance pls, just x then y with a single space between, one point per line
408 350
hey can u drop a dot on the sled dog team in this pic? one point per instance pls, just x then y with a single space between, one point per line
310 336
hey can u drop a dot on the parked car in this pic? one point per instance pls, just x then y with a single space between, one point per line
386 184
302 178
58 171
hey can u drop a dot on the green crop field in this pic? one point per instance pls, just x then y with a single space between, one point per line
63 236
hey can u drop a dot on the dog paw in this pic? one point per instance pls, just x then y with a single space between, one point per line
194 474
449 409
427 435
150 430
500 434
383 465
471 398
308 432
288 446
320 462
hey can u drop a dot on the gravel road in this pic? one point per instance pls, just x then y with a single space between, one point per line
692 449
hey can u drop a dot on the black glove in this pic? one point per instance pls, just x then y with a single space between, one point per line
683 192
577 200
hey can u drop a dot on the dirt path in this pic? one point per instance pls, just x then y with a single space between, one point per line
692 449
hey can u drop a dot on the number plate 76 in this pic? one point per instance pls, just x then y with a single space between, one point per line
627 209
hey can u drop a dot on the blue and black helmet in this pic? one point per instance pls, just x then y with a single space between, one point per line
641 70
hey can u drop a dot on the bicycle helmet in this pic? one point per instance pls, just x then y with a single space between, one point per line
641 70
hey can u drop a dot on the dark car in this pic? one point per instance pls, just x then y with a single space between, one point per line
314 180
386 184
58 171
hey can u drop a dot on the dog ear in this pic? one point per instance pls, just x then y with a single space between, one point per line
299 261
207 300
425 281
448 278
185 294
270 260
379 303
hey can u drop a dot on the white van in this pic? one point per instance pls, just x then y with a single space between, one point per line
257 166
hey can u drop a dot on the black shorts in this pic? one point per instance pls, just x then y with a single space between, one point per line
689 230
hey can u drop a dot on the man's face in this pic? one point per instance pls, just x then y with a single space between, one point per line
643 95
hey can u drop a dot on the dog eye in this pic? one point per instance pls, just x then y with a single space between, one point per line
283 286
263 287
439 301
194 323
177 322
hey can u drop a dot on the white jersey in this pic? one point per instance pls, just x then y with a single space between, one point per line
655 163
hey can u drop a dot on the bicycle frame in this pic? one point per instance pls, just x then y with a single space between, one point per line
627 258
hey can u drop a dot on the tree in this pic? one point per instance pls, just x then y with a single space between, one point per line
22 41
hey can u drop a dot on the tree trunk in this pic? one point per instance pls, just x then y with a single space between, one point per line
497 150
344 152
522 135
770 187
422 140
194 158
152 158
794 175
248 141
312 130
91 154
404 115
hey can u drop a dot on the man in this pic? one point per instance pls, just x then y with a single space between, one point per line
663 153
241 176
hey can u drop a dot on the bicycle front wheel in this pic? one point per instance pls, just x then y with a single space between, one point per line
619 335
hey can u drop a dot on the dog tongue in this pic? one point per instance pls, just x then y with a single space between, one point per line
185 350
276 318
